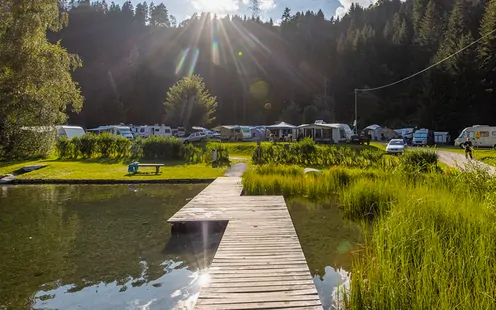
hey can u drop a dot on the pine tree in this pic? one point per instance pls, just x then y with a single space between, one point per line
430 27
487 57
286 16
142 14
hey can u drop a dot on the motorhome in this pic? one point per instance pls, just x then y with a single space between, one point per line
423 137
70 131
155 130
481 136
344 131
122 131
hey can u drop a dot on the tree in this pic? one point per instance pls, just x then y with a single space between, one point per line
488 46
430 27
35 75
159 16
189 103
291 114
141 16
286 16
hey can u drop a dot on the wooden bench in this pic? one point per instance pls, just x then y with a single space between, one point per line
157 166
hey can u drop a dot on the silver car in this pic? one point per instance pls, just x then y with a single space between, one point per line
195 137
396 146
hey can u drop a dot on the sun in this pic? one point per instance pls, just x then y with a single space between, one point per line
216 6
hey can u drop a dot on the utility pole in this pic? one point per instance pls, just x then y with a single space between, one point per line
356 111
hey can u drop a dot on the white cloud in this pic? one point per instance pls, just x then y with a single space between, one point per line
267 5
346 5
228 6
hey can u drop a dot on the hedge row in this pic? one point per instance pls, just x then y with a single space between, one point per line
152 148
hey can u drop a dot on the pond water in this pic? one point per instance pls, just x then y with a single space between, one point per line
328 241
98 247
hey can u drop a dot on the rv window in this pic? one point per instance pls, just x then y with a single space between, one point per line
167 131
157 130
494 133
484 134
470 134
142 129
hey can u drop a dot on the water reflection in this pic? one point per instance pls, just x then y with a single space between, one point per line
328 241
99 247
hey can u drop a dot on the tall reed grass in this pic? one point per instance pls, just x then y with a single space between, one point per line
432 243
434 250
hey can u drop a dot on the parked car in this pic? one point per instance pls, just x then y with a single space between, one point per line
423 137
195 137
212 134
396 146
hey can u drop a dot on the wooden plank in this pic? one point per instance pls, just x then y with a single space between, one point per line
259 263
261 305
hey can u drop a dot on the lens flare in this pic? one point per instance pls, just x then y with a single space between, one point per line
215 52
181 62
194 59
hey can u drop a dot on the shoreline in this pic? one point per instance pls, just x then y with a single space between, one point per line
104 181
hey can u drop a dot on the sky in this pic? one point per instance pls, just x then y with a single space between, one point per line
183 9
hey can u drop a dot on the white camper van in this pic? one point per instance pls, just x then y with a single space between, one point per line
155 130
480 135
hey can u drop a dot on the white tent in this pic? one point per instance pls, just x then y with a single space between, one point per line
283 127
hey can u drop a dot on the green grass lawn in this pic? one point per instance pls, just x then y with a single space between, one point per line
96 169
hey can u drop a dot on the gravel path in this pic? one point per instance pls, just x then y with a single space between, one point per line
458 160
236 170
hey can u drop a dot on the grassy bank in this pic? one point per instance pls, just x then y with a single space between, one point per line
432 243
93 169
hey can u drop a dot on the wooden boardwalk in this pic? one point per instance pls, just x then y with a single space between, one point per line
259 263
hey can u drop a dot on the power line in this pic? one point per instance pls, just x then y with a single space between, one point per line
426 69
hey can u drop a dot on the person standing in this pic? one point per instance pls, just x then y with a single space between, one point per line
467 145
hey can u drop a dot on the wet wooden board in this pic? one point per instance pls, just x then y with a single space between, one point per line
259 263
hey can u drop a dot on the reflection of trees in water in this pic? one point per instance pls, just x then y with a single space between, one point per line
120 238
35 239
327 238
84 235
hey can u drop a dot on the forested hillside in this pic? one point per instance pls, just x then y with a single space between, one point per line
307 67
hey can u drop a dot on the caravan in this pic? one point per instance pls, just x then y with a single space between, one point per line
481 136
70 131
155 130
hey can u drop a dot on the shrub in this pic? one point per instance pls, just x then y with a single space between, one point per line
107 144
122 146
155 147
88 145
136 149
76 147
222 154
65 148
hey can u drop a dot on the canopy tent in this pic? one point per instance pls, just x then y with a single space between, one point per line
281 126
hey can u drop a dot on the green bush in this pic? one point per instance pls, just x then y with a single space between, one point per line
155 147
122 146
88 145
76 147
222 154
65 148
136 148
107 144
